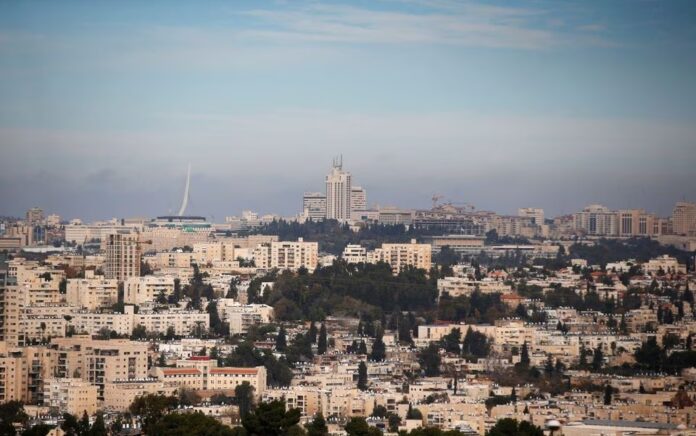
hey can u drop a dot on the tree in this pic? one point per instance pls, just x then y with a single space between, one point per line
650 354
511 427
183 424
322 342
11 413
37 430
379 350
583 355
357 426
598 358
524 356
270 419
312 333
151 408
450 342
99 427
233 292
608 392
244 395
70 425
413 413
362 376
281 340
216 324
476 344
318 426
429 360
362 347
139 332
83 425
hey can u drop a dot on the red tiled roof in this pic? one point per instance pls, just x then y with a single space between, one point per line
199 358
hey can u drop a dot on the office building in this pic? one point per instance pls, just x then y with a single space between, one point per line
358 198
535 213
314 205
35 216
684 219
338 192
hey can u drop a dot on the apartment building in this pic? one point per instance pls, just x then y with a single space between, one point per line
458 286
120 394
139 290
92 292
71 395
241 317
184 322
209 252
287 255
122 256
100 361
402 256
354 253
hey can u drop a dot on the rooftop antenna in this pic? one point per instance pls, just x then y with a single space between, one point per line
184 202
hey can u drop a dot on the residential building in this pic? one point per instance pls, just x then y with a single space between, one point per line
354 253
92 292
402 256
71 395
287 255
122 256
138 290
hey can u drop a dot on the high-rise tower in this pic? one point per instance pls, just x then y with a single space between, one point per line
338 192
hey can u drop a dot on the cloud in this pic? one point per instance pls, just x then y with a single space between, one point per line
467 25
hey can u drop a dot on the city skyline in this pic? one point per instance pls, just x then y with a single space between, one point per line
499 105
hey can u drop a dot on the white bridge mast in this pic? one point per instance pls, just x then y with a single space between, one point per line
184 202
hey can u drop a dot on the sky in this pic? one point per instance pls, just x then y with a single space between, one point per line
552 104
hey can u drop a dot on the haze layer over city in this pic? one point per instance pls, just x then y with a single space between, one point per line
348 218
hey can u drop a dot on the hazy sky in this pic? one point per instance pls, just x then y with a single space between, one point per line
549 104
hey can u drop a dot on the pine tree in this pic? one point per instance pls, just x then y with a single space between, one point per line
524 356
362 376
312 333
281 340
379 350
583 355
598 358
362 348
608 391
322 343
318 426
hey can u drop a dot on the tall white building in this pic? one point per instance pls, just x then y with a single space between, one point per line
338 192
314 205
